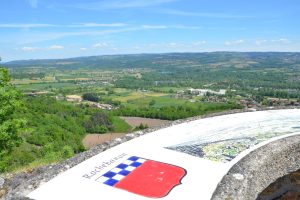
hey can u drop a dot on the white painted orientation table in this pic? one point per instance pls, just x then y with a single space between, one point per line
185 160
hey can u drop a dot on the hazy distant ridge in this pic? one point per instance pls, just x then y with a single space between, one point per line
224 59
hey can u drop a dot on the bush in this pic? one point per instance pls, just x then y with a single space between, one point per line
98 123
91 97
141 127
67 152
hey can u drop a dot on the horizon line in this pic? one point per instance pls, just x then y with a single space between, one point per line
128 54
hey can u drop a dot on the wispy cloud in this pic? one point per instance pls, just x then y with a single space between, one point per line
260 42
101 44
121 4
199 43
169 27
92 24
49 36
154 26
31 38
174 46
55 47
282 41
98 25
201 14
27 25
82 25
33 3
235 42
29 48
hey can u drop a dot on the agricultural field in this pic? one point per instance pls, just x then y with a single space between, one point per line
92 140
132 96
151 123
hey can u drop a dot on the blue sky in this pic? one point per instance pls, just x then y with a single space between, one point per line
31 29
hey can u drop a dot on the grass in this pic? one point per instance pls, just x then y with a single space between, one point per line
160 101
125 96
167 101
155 94
167 89
29 81
120 126
45 86
121 90
131 96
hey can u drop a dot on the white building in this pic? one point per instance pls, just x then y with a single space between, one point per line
203 92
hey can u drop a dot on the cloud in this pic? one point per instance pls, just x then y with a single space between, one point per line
201 14
83 49
101 44
169 27
273 42
199 43
55 47
121 4
99 25
29 38
154 27
84 25
185 27
52 47
92 24
27 25
33 3
175 45
282 41
260 42
235 42
29 48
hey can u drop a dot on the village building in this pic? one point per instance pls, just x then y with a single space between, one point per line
74 98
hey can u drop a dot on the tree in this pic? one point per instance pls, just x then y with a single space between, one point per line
98 123
152 102
91 97
10 103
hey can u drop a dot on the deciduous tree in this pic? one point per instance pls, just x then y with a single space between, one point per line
10 102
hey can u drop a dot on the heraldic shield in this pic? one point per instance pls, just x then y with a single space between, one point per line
144 177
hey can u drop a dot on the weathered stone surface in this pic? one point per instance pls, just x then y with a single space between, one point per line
2 181
287 187
2 193
260 168
291 196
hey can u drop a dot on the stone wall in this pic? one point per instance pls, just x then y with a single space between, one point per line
284 188
257 170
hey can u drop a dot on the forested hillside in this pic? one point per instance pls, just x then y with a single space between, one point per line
156 61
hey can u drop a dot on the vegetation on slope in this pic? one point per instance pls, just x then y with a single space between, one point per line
10 126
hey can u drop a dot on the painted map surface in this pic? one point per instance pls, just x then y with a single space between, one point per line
226 142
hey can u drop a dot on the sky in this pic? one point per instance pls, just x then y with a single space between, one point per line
39 29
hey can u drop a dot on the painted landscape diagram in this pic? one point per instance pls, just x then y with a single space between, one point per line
227 140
